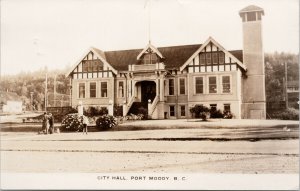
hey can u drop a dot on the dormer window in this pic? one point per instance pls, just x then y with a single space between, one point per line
150 58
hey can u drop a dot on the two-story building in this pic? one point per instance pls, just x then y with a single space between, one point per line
168 81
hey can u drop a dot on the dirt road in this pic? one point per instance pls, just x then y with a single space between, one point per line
104 152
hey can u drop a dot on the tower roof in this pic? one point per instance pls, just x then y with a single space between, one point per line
252 8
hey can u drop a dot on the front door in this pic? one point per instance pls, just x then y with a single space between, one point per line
148 91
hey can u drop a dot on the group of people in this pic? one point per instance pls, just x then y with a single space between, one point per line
48 123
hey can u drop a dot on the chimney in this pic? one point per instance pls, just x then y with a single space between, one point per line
254 99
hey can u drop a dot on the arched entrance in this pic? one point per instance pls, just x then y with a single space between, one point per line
148 91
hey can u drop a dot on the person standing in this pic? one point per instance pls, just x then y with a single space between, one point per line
45 125
51 123
85 122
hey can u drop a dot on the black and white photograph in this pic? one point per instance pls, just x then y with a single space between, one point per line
149 94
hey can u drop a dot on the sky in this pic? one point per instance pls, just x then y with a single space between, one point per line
56 33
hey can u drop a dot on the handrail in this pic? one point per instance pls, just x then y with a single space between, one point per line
130 102
153 105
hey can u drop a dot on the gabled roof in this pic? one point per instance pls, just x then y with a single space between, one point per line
98 53
173 56
9 96
252 8
153 48
211 40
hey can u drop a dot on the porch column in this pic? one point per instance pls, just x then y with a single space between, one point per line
161 87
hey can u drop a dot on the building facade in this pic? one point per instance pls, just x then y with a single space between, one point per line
168 81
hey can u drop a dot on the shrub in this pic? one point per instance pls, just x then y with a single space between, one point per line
91 111
103 111
287 114
227 115
118 110
200 111
143 113
106 122
216 113
72 122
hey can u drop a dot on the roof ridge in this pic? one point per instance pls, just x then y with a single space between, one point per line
155 46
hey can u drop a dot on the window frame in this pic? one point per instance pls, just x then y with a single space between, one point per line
101 89
208 77
184 86
227 104
173 106
79 90
93 89
230 84
172 86
182 106
195 85
215 58
122 89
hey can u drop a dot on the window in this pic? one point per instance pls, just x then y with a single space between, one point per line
171 86
251 16
93 89
215 57
103 89
202 59
221 57
181 86
81 90
150 58
121 89
212 84
182 111
199 85
227 107
91 65
226 84
213 107
172 110
208 58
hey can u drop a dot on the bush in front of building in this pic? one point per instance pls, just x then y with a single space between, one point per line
216 113
200 111
72 122
287 114
118 110
95 111
106 122
227 115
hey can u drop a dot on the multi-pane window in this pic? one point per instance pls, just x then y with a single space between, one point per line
182 111
221 57
121 89
103 89
81 90
212 83
150 58
226 84
227 107
202 59
172 110
199 85
208 58
215 57
171 86
92 65
93 89
181 86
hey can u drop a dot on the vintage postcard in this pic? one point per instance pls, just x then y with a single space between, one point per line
149 94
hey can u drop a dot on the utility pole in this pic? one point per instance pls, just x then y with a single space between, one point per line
286 93
46 82
54 92
31 101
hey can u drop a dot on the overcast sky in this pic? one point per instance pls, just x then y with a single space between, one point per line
56 33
